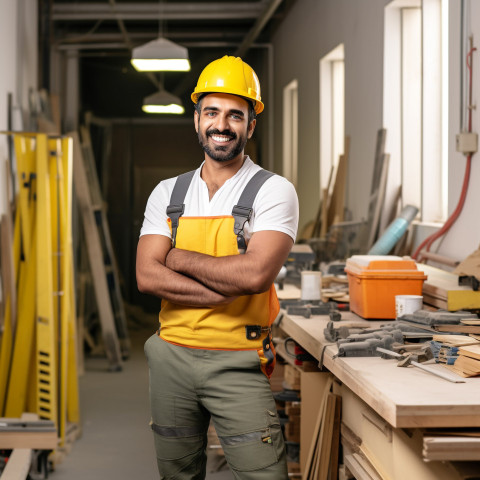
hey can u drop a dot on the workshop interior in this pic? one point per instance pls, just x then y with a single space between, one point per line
370 112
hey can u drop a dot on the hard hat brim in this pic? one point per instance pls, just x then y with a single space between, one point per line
258 106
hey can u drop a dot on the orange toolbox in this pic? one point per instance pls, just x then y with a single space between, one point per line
374 280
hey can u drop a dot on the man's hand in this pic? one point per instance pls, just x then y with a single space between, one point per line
253 272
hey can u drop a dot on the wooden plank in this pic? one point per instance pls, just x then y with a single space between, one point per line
378 163
377 189
310 461
451 448
356 468
326 196
367 467
455 340
18 465
312 388
324 213
333 463
27 432
326 437
441 289
457 328
113 277
337 199
95 255
470 351
378 200
8 269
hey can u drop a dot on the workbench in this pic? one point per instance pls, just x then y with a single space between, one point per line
388 407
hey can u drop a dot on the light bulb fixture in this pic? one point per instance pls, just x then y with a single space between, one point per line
160 55
163 102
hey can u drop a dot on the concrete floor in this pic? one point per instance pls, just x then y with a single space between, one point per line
116 441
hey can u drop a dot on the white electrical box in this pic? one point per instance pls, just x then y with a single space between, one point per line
467 142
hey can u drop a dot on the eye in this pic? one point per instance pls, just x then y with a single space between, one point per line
236 117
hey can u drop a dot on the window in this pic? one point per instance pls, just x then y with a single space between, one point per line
415 107
290 132
332 112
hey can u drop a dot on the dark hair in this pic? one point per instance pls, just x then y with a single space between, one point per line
252 115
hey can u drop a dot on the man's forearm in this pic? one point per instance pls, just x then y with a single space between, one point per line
231 275
177 288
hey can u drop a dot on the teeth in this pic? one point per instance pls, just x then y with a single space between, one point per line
218 138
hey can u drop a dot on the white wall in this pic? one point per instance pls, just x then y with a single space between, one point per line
311 29
18 60
464 237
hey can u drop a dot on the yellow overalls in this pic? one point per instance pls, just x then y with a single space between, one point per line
224 327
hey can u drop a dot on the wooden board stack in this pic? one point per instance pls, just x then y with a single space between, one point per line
468 362
459 353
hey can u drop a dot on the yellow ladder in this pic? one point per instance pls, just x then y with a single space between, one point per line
38 368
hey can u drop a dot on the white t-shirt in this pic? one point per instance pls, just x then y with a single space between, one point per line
275 206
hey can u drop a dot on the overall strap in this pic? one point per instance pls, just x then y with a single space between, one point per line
177 207
243 210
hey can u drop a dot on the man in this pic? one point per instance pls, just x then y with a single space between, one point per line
214 271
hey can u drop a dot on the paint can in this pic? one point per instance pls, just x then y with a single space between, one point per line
407 304
311 285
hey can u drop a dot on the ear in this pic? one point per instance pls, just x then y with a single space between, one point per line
251 128
196 119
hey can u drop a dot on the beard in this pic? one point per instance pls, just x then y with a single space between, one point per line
222 153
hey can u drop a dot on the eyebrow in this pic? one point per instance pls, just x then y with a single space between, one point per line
233 110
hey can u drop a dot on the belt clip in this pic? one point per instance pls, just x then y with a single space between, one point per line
255 331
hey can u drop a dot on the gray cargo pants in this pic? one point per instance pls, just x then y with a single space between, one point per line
187 387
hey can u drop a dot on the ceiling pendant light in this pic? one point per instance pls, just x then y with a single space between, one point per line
163 102
160 55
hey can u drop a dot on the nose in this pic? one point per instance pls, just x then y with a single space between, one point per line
221 123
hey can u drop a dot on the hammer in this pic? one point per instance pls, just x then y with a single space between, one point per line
405 361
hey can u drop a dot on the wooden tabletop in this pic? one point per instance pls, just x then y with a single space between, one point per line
404 397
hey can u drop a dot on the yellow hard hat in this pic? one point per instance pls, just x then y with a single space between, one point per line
229 75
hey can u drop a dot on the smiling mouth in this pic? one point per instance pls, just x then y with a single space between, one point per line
221 138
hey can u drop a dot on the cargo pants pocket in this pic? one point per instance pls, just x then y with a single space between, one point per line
257 451
180 452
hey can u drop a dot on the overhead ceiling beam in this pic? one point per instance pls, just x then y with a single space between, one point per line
144 36
152 11
257 28
121 45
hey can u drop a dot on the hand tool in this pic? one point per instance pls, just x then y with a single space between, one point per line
406 361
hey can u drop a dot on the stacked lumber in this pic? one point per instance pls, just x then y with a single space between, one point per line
467 363
445 347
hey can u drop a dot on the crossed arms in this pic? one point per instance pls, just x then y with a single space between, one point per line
196 279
